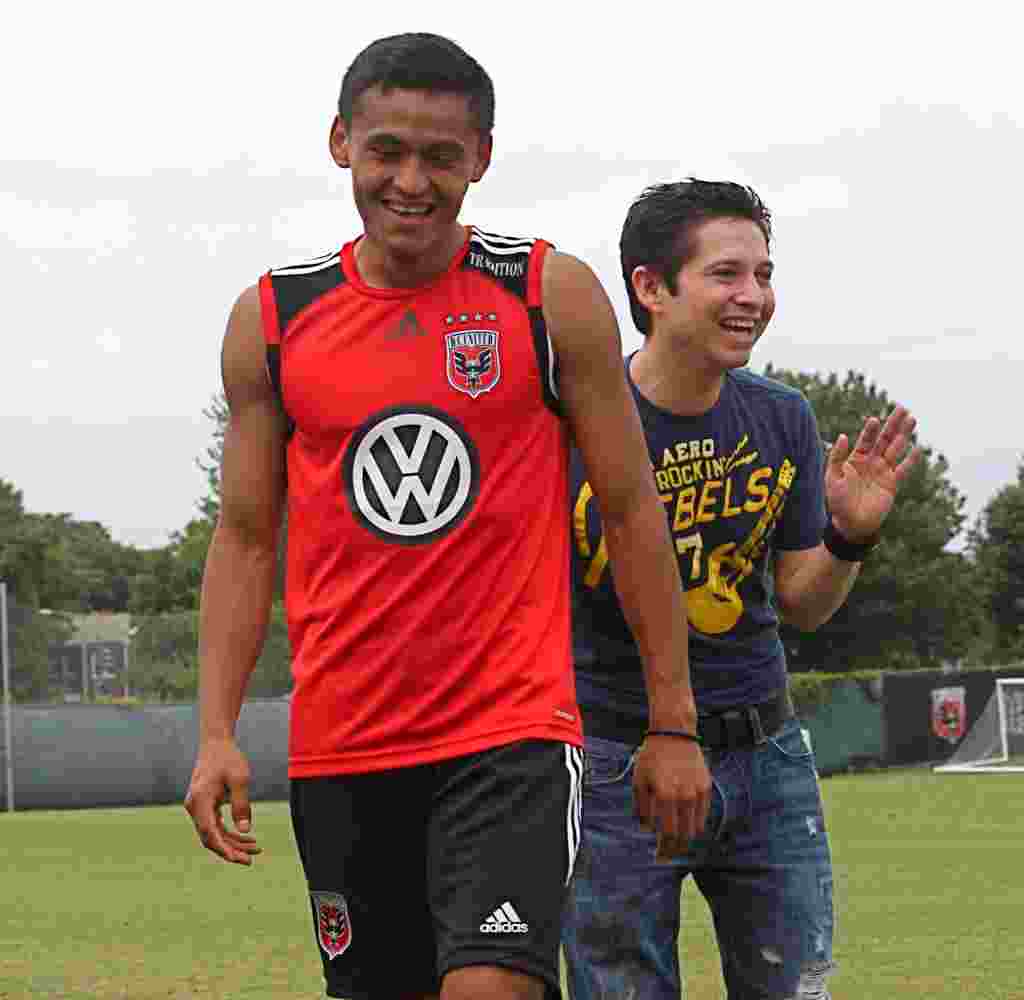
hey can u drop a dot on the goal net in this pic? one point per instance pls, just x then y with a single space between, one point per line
995 743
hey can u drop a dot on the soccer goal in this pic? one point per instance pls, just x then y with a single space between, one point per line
995 743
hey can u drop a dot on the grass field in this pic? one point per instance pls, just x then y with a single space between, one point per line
124 904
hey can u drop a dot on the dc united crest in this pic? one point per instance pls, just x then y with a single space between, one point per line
949 713
474 360
333 927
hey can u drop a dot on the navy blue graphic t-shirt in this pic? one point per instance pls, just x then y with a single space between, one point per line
737 482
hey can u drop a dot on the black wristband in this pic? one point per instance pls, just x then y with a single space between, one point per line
842 548
681 733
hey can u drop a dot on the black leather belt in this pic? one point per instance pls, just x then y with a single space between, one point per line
743 728
730 729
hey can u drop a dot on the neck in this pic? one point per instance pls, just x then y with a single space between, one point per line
381 266
673 381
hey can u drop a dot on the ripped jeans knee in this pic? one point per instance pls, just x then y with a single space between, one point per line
812 985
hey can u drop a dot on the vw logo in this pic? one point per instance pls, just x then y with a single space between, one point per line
411 475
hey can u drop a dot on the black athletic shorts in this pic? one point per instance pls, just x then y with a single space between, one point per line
416 871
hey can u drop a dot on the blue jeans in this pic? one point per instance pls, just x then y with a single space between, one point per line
762 863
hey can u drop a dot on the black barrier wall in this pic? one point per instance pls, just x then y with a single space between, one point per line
926 714
77 756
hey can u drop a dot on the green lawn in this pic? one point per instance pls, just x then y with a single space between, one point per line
124 904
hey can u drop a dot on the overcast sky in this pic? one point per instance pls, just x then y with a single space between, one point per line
155 159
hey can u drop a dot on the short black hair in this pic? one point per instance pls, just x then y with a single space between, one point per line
659 227
419 61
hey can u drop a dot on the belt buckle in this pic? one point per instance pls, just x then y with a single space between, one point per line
734 740
756 729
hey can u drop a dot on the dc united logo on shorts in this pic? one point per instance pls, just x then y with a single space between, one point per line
333 927
474 360
411 475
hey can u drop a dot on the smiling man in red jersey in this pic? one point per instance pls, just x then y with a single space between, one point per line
410 400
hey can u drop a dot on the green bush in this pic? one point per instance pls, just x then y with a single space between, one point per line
812 690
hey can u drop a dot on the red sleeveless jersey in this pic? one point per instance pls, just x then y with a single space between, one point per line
428 558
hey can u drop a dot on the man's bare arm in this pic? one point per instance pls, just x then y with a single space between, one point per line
238 581
607 430
811 585
861 486
608 433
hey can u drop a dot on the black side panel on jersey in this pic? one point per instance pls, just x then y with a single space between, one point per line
506 260
547 363
274 371
300 286
295 288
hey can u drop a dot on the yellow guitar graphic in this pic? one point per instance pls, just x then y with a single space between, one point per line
716 606
579 522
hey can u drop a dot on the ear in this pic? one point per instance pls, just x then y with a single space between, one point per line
339 143
483 160
649 287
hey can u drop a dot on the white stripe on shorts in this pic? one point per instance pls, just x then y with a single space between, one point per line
574 817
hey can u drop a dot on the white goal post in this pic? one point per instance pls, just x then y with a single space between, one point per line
995 743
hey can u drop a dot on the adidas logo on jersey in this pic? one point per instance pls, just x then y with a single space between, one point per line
504 920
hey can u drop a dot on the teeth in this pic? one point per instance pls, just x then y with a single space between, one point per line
409 211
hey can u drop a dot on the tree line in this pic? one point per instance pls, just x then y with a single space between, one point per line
915 604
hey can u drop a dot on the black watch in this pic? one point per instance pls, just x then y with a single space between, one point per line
842 548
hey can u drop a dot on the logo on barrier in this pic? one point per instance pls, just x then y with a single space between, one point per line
949 713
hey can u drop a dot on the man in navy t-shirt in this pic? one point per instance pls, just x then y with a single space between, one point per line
745 482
